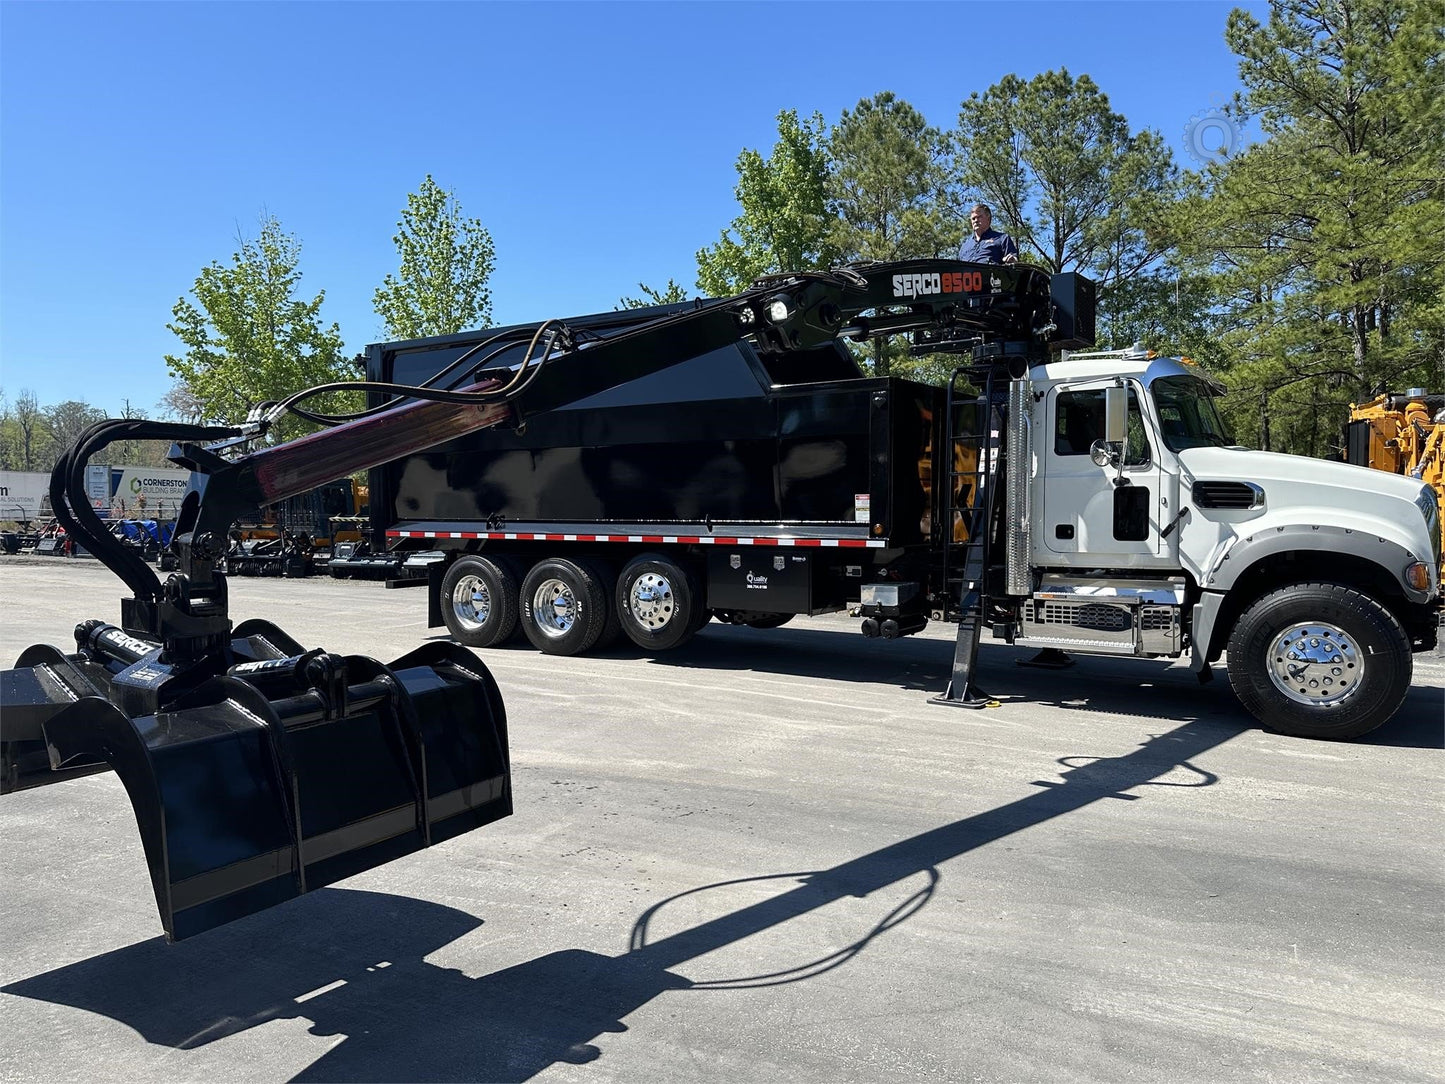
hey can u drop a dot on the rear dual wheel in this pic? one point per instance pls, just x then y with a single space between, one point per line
479 601
565 606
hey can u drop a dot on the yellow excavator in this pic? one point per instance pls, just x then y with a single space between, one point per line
1402 434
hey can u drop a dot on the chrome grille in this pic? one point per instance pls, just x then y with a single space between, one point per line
1156 617
1090 615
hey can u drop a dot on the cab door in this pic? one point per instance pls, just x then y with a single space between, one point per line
1086 518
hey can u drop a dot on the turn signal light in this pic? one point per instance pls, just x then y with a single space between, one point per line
1418 576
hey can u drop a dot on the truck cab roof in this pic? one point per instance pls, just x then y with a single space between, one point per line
1134 362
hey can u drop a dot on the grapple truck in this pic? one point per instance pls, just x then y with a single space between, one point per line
643 472
1074 501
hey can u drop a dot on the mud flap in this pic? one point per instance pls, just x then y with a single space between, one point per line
286 773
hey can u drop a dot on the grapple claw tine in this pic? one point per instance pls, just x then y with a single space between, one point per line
280 776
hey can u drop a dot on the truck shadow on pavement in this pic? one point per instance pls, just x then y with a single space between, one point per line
354 963
1144 688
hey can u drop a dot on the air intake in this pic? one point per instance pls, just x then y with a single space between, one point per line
1228 495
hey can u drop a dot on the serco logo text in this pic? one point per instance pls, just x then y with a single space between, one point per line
947 282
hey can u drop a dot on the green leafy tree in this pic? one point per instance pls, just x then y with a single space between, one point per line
182 404
137 453
785 223
1065 175
1324 240
249 338
7 434
30 436
890 188
65 422
891 192
1163 308
670 295
446 263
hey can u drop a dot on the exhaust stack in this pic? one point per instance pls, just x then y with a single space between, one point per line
1018 506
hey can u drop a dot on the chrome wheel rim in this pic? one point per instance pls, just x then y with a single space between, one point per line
554 608
471 602
651 601
1316 664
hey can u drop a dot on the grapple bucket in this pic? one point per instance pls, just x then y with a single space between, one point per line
288 771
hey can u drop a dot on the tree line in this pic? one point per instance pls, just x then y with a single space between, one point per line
33 437
1305 268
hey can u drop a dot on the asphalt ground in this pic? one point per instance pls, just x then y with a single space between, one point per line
766 856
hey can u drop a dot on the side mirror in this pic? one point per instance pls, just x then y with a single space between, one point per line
1102 454
1116 430
1116 413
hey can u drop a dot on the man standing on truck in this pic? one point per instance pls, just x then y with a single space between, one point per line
987 245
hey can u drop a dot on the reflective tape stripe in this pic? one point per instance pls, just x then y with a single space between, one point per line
652 539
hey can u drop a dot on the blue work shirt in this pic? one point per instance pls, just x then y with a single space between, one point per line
990 247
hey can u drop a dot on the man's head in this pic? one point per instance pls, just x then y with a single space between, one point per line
980 218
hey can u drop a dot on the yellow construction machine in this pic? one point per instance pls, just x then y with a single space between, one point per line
1402 434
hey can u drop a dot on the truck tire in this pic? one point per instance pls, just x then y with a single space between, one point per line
564 609
658 602
606 575
479 601
1319 660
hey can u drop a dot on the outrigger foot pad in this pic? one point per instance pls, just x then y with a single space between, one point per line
973 697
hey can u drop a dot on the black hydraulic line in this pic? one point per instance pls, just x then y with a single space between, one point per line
513 386
72 510
72 507
467 355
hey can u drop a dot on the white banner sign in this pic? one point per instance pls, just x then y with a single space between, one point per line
148 492
20 493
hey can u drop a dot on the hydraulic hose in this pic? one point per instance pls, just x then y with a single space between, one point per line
72 507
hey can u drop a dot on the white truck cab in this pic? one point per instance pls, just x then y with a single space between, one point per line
1150 532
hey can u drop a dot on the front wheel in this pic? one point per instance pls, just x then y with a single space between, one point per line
1319 660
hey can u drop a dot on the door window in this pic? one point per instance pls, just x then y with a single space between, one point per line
1079 421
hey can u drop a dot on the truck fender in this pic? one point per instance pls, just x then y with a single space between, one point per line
1389 555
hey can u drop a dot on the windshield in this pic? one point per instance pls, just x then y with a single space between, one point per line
1188 416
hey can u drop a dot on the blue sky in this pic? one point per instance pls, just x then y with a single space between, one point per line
596 142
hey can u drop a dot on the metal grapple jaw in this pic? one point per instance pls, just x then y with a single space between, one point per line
272 770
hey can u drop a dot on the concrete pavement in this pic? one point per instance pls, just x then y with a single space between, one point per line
765 856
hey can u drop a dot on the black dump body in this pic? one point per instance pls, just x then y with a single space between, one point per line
729 442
